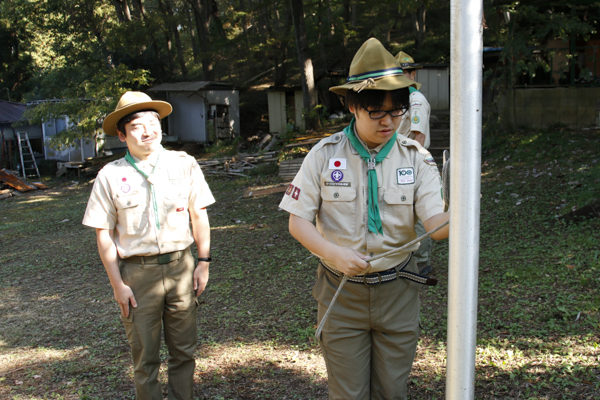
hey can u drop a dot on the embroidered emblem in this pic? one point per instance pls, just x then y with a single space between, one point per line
416 104
337 176
296 193
337 163
124 179
405 176
180 209
429 160
416 120
125 188
346 184
289 189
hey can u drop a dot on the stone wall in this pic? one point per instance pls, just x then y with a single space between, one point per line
541 107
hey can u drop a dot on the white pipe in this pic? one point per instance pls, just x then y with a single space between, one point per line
466 62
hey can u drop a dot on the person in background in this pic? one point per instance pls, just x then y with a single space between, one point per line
415 125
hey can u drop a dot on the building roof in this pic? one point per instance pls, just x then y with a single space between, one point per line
11 112
190 86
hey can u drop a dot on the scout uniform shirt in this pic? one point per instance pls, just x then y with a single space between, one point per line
121 200
332 186
418 117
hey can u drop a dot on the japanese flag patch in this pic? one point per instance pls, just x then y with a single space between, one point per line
405 176
337 163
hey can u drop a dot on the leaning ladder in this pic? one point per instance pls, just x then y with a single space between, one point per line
27 159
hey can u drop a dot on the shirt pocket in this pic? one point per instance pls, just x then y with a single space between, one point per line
398 209
176 210
131 208
338 210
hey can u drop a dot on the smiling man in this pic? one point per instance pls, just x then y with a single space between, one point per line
365 187
148 208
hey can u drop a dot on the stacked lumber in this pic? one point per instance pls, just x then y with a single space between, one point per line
238 164
289 168
17 184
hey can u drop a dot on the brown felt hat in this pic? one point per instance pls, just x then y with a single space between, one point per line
374 68
131 102
406 61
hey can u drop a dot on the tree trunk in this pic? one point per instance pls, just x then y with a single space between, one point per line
202 16
172 26
306 68
419 26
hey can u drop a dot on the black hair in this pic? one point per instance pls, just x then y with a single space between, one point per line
375 98
134 115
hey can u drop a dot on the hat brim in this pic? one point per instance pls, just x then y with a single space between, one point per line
388 83
110 122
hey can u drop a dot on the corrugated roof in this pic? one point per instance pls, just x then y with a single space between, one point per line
188 86
11 112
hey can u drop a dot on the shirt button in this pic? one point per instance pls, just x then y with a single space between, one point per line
371 254
403 198
404 142
128 203
162 245
336 195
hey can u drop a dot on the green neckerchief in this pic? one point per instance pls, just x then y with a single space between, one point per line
412 89
375 224
133 163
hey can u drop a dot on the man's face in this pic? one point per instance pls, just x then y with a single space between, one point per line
143 135
375 131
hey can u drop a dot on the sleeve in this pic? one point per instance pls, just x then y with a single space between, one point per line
419 117
428 192
101 212
303 196
200 194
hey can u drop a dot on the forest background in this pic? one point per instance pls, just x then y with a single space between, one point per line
86 52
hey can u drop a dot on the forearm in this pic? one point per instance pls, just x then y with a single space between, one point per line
436 221
419 137
201 231
108 254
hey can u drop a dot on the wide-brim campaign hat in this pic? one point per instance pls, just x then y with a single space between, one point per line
374 68
406 61
131 102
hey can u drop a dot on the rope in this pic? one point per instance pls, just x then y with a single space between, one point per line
345 277
364 84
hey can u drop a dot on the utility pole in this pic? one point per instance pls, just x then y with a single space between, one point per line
466 62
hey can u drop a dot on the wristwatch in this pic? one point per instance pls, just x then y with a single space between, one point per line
207 259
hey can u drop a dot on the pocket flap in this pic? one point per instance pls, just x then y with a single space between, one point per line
398 196
338 193
127 201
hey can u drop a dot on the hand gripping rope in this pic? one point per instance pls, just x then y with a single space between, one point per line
446 195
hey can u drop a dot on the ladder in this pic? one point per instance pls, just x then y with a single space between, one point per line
28 163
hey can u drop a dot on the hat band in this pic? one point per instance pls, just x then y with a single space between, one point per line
376 74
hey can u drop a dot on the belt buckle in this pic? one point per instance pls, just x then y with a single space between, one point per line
164 258
369 276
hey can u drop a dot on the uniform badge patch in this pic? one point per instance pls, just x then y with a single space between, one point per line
416 120
296 193
289 189
416 104
337 163
125 188
405 176
345 184
429 160
337 175
180 209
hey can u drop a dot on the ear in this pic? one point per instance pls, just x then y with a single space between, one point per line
352 109
122 137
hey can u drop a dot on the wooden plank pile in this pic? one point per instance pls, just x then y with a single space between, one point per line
237 165
289 168
17 185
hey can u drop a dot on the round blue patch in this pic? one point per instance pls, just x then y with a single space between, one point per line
337 175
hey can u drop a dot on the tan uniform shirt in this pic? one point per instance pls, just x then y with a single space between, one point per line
417 119
331 186
121 200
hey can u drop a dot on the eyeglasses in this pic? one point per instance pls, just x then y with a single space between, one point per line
378 114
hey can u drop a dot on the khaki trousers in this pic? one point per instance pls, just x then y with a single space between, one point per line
165 297
422 254
370 337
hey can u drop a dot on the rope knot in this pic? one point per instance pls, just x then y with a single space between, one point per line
364 84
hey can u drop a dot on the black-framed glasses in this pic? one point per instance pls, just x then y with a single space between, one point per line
378 114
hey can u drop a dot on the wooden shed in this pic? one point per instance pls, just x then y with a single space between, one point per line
435 85
285 106
202 111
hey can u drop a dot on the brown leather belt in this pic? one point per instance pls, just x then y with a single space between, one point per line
157 259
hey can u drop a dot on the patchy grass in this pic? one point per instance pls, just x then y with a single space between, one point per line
539 297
